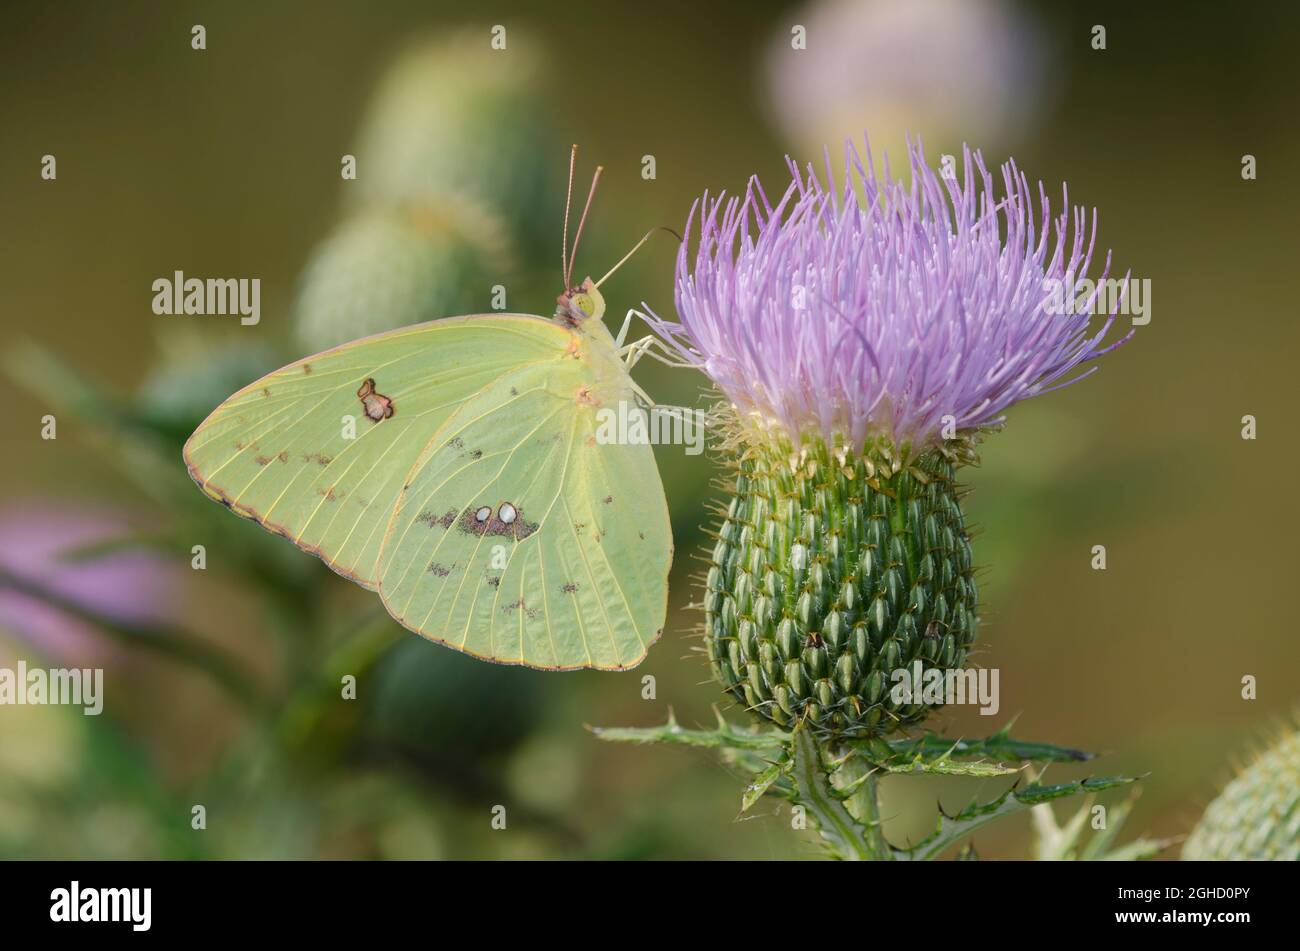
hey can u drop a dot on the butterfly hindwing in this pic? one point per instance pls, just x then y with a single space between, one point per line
523 538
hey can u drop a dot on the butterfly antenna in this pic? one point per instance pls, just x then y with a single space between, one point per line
637 247
591 193
564 240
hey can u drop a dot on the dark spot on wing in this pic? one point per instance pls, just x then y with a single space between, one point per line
456 443
430 519
476 454
494 581
283 455
266 391
439 570
261 460
513 391
520 606
569 588
317 457
377 405
306 368
518 529
607 499
328 494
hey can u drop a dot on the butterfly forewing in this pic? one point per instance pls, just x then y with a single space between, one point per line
301 452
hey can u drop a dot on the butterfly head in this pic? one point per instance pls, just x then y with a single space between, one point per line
580 303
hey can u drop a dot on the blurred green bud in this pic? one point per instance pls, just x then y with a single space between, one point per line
448 710
454 117
384 269
194 374
1257 816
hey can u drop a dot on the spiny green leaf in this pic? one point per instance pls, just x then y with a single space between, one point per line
945 766
724 736
952 829
999 746
760 784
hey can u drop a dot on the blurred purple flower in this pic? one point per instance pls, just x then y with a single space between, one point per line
946 69
125 586
878 315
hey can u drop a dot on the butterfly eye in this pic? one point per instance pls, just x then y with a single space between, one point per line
482 514
507 513
584 304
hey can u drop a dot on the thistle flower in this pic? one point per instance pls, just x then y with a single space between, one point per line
938 67
865 337
856 316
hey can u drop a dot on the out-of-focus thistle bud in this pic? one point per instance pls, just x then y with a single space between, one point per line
1257 816
391 267
195 374
427 706
864 339
456 120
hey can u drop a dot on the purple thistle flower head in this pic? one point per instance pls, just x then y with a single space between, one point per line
887 309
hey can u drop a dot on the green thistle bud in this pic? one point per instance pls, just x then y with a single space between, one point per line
832 573
494 106
384 269
1257 816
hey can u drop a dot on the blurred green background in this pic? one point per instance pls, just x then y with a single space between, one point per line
222 685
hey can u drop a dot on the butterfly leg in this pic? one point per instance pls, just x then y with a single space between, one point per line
655 348
622 333
665 409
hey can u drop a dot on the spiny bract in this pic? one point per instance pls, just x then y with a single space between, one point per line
1257 816
832 572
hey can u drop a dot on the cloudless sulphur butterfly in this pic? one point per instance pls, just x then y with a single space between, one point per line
454 468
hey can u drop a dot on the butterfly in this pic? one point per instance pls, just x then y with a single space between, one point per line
454 467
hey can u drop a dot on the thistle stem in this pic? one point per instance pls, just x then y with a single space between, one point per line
861 780
837 789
